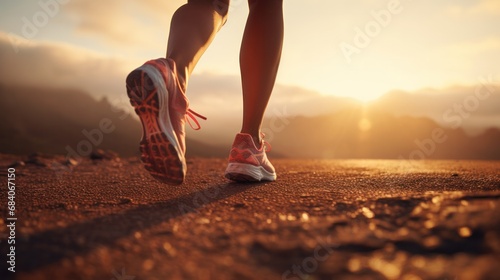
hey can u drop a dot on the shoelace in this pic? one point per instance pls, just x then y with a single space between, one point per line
192 116
267 146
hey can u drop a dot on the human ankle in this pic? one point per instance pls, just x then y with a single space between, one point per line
258 141
180 74
182 78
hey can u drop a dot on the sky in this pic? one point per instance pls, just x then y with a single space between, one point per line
359 49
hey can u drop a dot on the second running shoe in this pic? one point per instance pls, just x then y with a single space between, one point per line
249 163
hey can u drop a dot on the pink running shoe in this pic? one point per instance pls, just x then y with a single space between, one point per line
162 106
247 163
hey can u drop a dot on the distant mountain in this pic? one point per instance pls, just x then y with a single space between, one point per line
71 122
363 133
68 121
475 108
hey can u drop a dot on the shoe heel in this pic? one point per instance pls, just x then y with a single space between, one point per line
141 89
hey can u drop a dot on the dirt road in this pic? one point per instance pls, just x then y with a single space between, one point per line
107 219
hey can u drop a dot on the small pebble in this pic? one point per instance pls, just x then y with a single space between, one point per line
367 212
464 232
304 217
203 221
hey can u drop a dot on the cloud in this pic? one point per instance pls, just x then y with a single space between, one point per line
59 65
474 108
480 47
480 8
122 21
62 65
486 7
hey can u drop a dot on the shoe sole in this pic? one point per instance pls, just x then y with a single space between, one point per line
241 172
158 144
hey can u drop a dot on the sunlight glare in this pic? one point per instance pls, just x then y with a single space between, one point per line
364 125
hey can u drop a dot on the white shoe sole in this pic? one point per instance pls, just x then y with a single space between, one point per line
242 172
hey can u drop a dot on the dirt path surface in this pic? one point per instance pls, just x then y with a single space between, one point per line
107 219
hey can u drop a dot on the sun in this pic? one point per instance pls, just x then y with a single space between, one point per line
364 125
